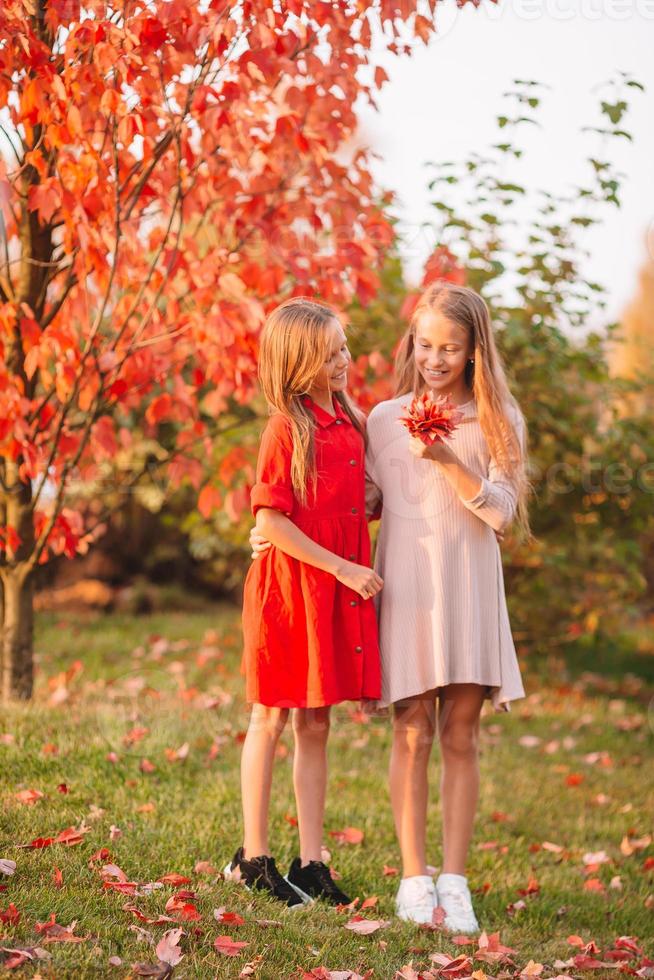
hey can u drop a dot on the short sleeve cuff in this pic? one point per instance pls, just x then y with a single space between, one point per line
480 497
267 495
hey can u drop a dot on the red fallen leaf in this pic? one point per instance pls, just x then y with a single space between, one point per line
29 796
111 757
160 920
491 950
594 885
629 943
205 868
38 842
289 818
431 419
574 779
175 879
499 817
229 918
11 915
178 899
123 887
177 755
62 788
22 954
389 872
72 835
648 864
369 903
364 927
350 907
55 933
188 912
112 871
451 966
532 887
49 748
168 949
351 835
58 878
228 946
583 962
437 920
146 766
135 735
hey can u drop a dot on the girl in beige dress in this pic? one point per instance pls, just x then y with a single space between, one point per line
444 631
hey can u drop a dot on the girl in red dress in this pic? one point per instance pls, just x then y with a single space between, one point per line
309 627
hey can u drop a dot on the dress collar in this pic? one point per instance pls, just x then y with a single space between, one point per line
324 418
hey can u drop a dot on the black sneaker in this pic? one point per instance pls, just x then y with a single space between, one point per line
261 873
315 881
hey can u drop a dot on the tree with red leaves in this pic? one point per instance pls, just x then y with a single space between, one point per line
169 171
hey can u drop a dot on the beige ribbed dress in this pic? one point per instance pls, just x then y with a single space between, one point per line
442 612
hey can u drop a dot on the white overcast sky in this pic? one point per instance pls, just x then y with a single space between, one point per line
441 103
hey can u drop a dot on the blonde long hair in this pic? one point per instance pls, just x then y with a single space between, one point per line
294 347
485 378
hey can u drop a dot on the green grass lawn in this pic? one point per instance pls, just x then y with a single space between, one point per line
570 768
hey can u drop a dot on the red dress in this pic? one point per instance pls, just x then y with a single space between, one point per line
309 640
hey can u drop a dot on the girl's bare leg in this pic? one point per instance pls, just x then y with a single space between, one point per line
459 708
311 729
257 759
413 735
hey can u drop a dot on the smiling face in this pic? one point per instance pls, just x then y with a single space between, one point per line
441 350
333 373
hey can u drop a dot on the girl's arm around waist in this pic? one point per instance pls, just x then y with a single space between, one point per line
285 535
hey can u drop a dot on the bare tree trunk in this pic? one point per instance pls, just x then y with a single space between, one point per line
17 631
17 576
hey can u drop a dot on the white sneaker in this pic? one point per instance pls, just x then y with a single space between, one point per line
416 898
453 895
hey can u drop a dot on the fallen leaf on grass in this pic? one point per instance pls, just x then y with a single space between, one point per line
160 920
229 918
11 915
629 845
29 796
168 949
182 903
21 954
451 966
350 835
57 878
205 868
389 872
364 927
532 969
175 879
532 887
491 950
228 946
7 866
160 970
55 933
